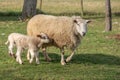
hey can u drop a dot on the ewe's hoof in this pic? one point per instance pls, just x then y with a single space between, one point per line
38 63
67 60
48 59
63 63
20 62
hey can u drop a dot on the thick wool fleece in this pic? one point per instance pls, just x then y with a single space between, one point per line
60 29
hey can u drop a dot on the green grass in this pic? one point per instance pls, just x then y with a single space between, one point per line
97 57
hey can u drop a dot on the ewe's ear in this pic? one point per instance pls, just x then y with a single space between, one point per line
39 36
88 21
75 21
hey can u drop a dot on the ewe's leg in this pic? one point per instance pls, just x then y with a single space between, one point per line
18 55
62 57
70 57
28 55
37 57
32 55
47 58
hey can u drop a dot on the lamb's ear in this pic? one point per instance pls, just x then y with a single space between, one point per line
88 21
42 37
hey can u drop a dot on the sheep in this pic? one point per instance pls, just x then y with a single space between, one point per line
64 31
26 42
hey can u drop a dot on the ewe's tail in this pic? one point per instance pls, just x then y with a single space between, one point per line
6 42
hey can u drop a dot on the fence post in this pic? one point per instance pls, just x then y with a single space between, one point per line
82 11
40 5
108 16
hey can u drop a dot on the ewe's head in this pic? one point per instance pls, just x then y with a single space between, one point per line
44 38
80 25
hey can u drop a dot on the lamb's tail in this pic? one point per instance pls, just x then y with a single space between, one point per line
6 43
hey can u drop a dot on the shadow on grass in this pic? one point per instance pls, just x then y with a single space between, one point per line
9 16
117 14
54 56
13 16
98 58
90 15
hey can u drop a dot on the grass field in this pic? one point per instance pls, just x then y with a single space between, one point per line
97 57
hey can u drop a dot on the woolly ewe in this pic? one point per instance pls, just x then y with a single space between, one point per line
64 31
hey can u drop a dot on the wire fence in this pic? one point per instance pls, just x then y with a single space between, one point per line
11 5
61 6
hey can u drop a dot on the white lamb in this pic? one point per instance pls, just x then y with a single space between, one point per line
22 42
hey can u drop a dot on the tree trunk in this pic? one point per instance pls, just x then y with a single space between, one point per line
108 16
82 11
29 9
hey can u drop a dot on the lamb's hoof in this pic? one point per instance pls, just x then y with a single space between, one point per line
17 60
10 54
21 63
14 56
30 62
28 59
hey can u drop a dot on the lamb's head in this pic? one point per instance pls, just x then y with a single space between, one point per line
81 25
44 38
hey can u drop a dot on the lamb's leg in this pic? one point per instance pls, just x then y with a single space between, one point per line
70 57
28 55
10 47
37 57
47 58
32 55
18 55
62 57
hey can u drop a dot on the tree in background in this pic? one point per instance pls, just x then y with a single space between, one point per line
108 16
29 9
